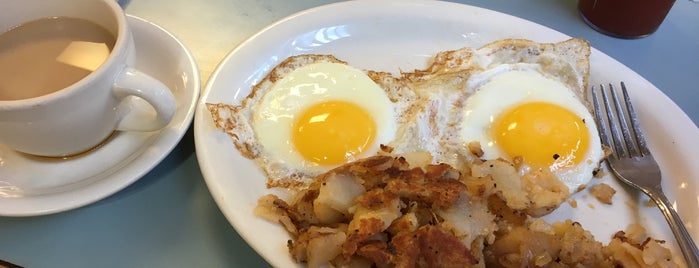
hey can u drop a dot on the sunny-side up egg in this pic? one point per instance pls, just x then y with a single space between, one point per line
320 116
517 111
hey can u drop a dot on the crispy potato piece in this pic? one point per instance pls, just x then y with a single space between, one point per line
563 244
631 248
335 197
603 192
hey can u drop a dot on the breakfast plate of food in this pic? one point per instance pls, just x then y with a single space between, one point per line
362 132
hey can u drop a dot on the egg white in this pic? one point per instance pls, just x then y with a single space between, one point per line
274 116
506 86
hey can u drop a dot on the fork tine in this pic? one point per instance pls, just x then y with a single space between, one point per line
601 123
625 131
640 139
613 126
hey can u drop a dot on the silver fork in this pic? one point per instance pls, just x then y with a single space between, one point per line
632 162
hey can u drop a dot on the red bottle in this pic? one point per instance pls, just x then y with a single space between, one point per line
625 18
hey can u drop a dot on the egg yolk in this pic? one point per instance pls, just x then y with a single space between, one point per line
544 134
333 132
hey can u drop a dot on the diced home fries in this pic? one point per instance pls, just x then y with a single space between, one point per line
394 211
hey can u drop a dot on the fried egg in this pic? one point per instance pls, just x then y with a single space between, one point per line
517 111
319 116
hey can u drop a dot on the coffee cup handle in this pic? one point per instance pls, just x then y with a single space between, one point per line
131 116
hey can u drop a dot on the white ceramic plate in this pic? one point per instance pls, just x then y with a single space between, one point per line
35 186
394 35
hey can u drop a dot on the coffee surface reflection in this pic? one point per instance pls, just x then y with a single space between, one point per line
45 55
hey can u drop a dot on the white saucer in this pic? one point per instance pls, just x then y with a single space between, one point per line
35 186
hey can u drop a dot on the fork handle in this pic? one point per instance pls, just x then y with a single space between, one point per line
689 249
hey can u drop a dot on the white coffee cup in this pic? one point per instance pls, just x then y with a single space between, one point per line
81 116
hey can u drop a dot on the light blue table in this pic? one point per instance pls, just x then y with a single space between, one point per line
168 218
